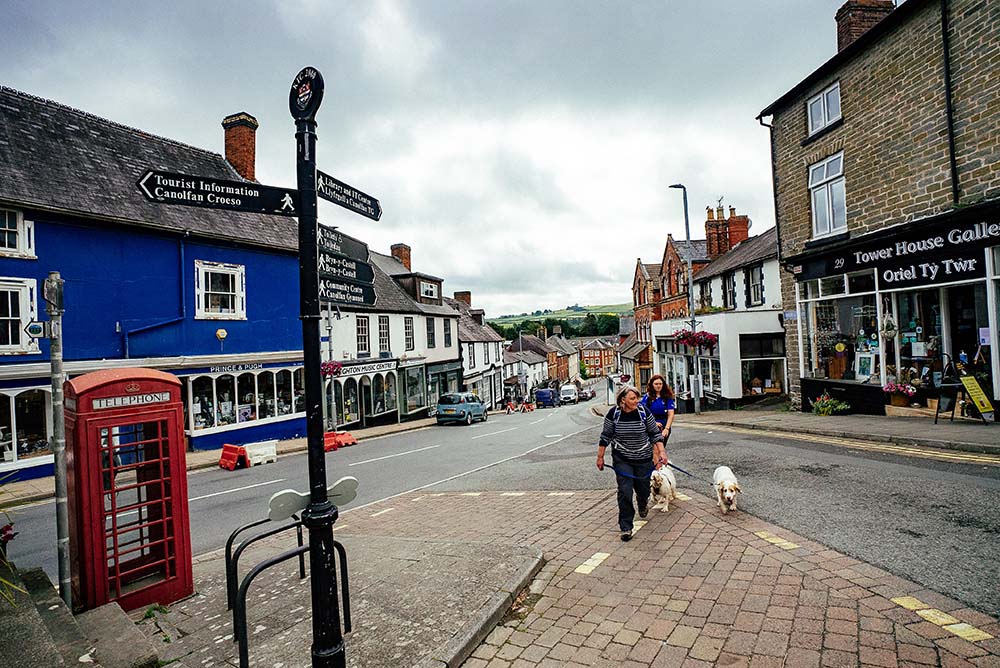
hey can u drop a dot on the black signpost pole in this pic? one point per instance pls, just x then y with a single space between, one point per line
320 515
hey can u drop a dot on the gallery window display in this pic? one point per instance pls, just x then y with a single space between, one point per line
223 400
343 396
24 425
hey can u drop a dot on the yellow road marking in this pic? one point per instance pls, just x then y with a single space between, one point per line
383 512
471 493
512 494
561 493
340 528
589 565
942 619
776 540
935 616
417 499
909 602
968 632
926 453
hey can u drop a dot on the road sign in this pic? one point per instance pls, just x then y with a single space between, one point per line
333 241
38 329
172 188
347 196
336 291
339 267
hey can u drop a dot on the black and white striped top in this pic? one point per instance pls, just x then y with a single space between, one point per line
632 437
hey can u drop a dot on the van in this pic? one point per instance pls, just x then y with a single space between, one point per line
546 397
568 394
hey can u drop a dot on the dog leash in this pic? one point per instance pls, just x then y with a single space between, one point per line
674 466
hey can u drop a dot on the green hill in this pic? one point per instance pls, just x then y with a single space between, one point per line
573 313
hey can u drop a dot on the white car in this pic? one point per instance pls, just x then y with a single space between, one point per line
568 394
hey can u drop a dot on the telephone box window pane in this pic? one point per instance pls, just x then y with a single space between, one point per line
246 409
284 383
7 451
32 424
265 394
225 392
202 402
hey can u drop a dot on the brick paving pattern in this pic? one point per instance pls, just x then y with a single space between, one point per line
693 588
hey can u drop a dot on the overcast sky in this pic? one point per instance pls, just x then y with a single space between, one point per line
522 149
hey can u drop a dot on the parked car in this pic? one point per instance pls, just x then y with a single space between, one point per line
568 394
546 397
586 394
460 407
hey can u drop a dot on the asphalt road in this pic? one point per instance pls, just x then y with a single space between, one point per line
933 522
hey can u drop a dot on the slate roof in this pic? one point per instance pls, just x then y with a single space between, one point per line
650 270
393 267
562 346
532 342
596 343
695 250
56 158
632 347
468 328
755 249
526 356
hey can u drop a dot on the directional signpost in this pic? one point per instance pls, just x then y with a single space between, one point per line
172 188
349 197
340 275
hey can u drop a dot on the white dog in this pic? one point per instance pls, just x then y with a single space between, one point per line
726 488
663 487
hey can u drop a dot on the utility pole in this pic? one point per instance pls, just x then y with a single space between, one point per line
52 293
695 377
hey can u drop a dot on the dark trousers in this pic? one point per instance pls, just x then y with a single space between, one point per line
633 477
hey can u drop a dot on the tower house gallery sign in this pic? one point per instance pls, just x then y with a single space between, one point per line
937 251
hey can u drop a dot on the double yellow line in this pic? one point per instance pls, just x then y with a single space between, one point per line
869 446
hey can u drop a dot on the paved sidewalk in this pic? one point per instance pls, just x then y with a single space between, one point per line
693 588
37 489
966 435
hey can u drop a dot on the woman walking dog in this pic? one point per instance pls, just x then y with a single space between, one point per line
635 440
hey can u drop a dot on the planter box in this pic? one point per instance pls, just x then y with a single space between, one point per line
906 411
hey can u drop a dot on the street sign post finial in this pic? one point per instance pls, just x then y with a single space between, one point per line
306 94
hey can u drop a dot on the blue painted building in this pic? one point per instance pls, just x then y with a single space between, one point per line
208 295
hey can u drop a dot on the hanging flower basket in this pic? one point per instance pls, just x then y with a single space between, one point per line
330 369
700 339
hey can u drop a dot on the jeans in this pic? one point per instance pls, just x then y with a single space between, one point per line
637 483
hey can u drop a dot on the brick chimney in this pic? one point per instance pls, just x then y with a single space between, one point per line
465 297
402 253
739 227
716 233
856 17
241 143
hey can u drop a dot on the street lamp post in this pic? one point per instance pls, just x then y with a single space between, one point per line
695 378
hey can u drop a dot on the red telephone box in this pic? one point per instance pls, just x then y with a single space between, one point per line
130 540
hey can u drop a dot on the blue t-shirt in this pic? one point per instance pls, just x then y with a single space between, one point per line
658 407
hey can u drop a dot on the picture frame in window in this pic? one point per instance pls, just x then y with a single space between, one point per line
864 367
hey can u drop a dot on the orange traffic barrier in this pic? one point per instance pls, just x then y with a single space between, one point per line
333 440
233 457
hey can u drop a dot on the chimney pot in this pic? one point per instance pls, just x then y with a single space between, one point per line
732 211
465 297
402 253
856 17
241 143
720 213
711 214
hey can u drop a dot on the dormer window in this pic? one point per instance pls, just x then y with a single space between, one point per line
429 290
824 108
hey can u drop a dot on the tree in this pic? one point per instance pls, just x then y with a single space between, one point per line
589 326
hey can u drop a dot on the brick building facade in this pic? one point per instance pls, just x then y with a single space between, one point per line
886 171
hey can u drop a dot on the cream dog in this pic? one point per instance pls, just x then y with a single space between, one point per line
663 487
726 488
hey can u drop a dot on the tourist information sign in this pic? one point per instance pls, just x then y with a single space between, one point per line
349 197
203 191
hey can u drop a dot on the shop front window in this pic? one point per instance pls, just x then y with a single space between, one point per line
390 392
351 412
413 380
763 376
247 392
6 429
840 339
338 402
265 394
299 382
378 394
203 402
25 416
283 382
225 391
